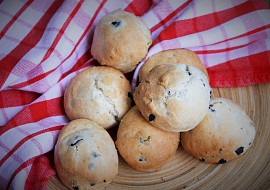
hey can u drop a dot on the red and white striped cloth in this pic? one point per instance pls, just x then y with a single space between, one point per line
43 44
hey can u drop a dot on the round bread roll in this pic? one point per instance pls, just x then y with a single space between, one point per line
184 56
121 40
100 94
85 156
173 97
224 134
143 146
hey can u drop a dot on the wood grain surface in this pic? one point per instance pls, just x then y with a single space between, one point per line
251 171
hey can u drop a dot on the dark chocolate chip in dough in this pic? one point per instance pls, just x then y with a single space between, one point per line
75 141
239 150
142 159
202 159
75 188
187 70
116 24
104 181
222 161
95 154
130 95
92 184
151 117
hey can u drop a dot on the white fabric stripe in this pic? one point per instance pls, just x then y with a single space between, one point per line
160 12
7 10
28 17
27 151
204 7
35 55
20 179
12 137
10 112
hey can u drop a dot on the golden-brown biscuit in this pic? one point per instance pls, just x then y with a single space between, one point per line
100 94
121 40
224 134
184 56
143 146
173 97
85 156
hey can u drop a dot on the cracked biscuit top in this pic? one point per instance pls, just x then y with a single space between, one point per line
85 156
173 97
121 40
100 94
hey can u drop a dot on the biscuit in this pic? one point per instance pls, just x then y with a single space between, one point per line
121 40
224 134
184 56
100 94
85 156
173 97
143 146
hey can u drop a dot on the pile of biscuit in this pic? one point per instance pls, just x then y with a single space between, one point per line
173 99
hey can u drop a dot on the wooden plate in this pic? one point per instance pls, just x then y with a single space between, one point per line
251 171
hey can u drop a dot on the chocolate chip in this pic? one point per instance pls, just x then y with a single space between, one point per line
75 188
75 141
203 160
116 118
187 70
222 161
104 181
116 24
249 143
142 159
239 150
151 117
211 108
92 184
130 95
95 155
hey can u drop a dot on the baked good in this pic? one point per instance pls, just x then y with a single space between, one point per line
184 56
173 97
224 134
85 156
143 146
99 93
121 40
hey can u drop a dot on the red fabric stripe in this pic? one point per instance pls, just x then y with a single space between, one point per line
37 78
31 160
61 31
23 8
198 24
83 59
10 98
170 16
139 7
44 166
26 139
27 43
260 62
36 112
32 80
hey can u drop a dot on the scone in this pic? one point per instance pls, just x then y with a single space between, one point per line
121 40
85 156
100 94
143 146
173 97
224 134
184 56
